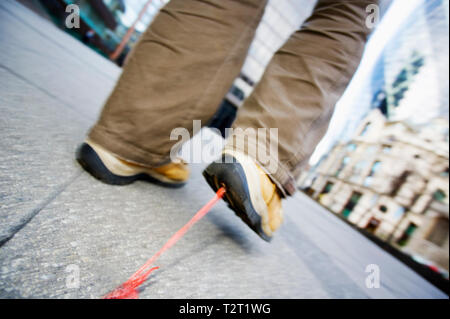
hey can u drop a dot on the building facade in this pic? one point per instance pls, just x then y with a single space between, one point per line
404 70
392 180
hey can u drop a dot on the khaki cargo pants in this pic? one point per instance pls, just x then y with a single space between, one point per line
188 58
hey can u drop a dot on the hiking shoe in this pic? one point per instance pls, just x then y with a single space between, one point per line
110 169
250 193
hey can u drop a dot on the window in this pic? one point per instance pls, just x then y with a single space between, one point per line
365 129
375 168
372 225
403 240
439 195
418 62
401 78
237 92
246 79
398 95
327 188
398 182
352 202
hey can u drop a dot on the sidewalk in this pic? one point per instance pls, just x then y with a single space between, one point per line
53 215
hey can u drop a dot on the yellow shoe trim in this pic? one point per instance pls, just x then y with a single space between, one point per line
169 173
272 199
263 192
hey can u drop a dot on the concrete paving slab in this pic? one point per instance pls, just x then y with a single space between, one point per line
37 146
107 232
51 90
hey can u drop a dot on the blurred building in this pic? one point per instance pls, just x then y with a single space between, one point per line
103 23
392 180
417 30
97 22
424 36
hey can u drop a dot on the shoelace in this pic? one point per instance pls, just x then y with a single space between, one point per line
128 290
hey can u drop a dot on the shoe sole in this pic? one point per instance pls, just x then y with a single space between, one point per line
230 174
91 162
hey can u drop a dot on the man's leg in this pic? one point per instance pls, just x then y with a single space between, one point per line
296 95
303 82
179 71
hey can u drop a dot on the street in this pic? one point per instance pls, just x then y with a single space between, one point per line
59 223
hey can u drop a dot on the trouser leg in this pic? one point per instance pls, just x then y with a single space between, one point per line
179 71
300 87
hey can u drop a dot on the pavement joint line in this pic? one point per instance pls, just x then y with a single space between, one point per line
73 108
59 189
55 42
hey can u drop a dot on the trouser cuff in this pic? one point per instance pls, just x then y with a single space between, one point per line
268 161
